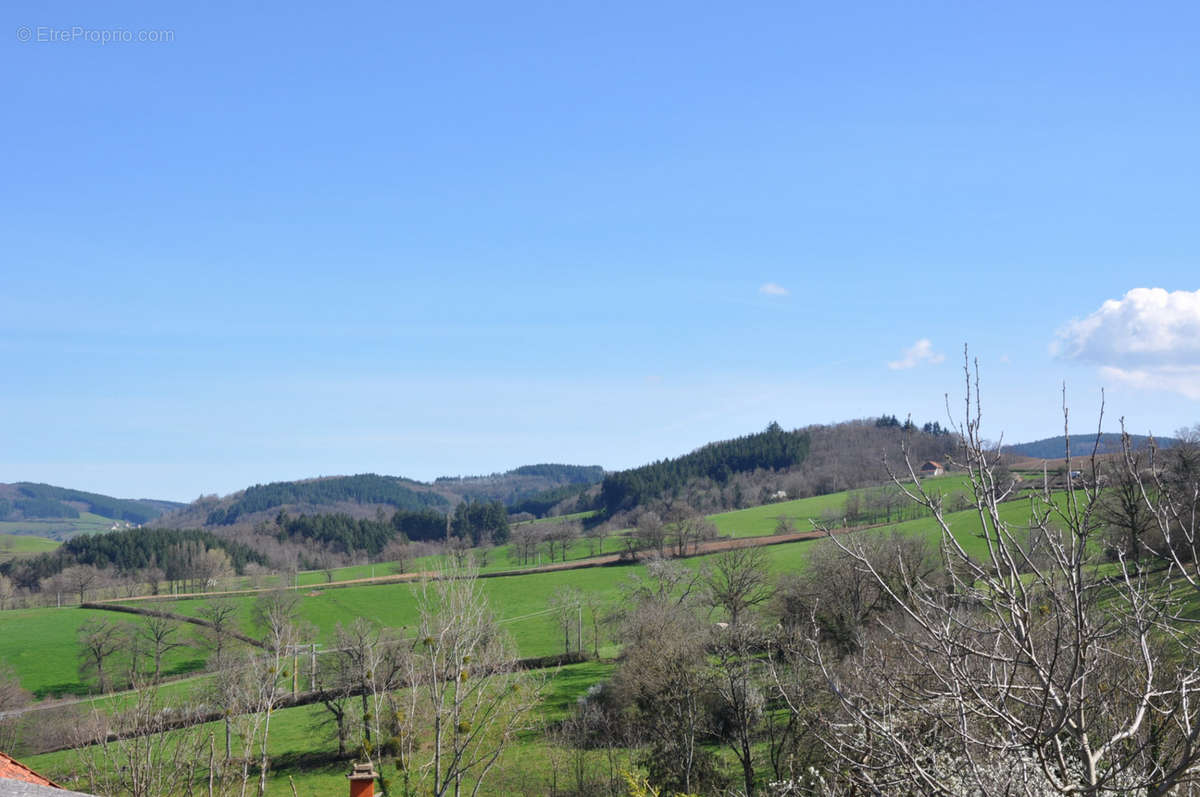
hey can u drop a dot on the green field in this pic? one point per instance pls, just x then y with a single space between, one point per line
302 749
59 529
14 545
40 644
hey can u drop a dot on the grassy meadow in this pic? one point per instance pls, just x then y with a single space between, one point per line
14 545
41 646
58 529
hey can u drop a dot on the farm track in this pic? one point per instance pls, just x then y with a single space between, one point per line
604 560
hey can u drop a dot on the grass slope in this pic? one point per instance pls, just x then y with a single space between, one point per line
14 545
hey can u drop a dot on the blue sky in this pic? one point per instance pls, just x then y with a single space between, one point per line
334 238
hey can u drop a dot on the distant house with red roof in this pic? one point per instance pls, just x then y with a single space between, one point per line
18 780
932 468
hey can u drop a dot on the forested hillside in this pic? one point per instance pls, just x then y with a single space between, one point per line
366 488
29 501
773 449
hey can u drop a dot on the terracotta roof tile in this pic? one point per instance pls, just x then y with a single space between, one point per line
14 770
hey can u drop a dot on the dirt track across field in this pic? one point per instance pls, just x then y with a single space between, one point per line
605 560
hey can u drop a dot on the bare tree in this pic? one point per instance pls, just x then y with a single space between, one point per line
398 552
524 541
12 698
161 635
469 700
651 533
81 579
1168 486
1123 507
369 661
840 598
276 613
1015 675
221 616
737 580
99 641
7 591
566 604
739 684
664 680
140 750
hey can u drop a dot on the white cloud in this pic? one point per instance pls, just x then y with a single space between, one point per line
1181 379
1150 339
772 289
919 353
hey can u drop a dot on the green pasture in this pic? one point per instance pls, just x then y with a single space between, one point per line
40 644
42 647
761 520
14 545
57 529
304 750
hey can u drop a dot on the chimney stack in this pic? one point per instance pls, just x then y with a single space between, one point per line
362 780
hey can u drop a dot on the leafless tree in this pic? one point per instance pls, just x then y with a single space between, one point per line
737 580
664 680
740 687
566 604
651 533
524 541
81 579
687 528
139 750
1016 675
399 552
276 613
839 597
221 616
99 641
1168 486
12 698
369 660
161 634
7 591
468 699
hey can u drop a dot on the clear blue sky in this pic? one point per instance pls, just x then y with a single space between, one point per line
425 239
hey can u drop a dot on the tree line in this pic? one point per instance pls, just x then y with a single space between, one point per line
130 550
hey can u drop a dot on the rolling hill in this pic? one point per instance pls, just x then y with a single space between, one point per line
59 513
362 495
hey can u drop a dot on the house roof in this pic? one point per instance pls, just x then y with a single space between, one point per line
18 780
931 463
12 769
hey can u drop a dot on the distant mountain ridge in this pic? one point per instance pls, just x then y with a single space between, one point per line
1082 445
363 495
30 501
